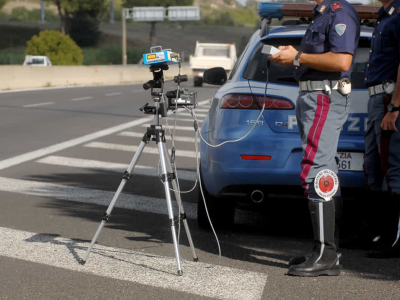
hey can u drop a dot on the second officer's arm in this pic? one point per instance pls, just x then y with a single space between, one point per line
389 121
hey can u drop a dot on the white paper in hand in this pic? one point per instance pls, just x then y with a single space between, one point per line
269 50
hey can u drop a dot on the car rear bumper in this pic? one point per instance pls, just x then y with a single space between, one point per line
223 168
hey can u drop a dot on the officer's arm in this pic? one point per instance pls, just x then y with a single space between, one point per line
396 94
328 62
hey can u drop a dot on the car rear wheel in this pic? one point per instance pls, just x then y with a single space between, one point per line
221 210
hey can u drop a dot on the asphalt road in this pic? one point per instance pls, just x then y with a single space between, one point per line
62 155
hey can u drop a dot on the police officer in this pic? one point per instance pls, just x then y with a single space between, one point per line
382 140
323 67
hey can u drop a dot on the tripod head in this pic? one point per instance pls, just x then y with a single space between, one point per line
158 63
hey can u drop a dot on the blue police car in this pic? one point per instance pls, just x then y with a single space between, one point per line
267 162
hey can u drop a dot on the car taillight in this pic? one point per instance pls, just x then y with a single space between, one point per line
246 101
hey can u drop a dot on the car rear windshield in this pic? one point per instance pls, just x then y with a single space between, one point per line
216 51
255 69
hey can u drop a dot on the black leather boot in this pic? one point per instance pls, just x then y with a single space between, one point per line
338 216
324 259
387 244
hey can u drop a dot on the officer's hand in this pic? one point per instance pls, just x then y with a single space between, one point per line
285 56
389 121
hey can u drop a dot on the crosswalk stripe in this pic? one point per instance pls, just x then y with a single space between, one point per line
99 197
149 150
189 115
109 166
184 128
182 120
201 110
140 135
201 279
19 159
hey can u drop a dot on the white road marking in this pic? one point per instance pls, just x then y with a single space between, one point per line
39 104
149 150
122 264
140 135
189 115
16 160
83 98
184 128
90 196
181 120
109 166
19 159
113 94
201 110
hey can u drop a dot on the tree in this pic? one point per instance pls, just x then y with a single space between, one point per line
60 48
164 3
80 18
2 3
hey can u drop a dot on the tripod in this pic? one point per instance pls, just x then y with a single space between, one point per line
154 133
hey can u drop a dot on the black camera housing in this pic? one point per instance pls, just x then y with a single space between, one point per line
185 98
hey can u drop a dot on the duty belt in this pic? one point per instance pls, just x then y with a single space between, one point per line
311 86
378 89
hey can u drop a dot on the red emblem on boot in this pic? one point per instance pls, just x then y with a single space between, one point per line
326 184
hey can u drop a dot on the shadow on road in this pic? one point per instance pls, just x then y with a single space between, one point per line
275 235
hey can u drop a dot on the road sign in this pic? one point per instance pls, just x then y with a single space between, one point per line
183 13
147 14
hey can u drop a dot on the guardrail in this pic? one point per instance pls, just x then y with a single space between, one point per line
25 77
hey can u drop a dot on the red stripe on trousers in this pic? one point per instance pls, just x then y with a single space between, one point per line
386 135
321 114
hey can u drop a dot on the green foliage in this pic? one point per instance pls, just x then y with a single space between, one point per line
229 2
84 31
111 55
12 56
60 48
92 8
22 14
232 17
165 3
2 3
15 36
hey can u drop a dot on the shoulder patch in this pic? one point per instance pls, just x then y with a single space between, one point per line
340 29
336 6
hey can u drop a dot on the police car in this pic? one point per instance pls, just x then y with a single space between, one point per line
267 161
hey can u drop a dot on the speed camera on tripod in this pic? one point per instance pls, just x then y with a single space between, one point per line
185 98
160 56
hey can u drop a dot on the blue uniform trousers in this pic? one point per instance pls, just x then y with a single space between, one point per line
382 148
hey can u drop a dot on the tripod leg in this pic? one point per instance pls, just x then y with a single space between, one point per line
179 201
107 214
166 179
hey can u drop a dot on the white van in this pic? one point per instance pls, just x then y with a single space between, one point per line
37 61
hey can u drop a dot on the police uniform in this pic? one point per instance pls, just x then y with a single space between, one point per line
382 148
321 112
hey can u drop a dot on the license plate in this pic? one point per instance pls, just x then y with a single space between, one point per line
351 161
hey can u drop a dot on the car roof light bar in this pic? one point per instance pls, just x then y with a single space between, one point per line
280 10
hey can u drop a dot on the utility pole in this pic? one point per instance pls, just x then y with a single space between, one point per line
42 13
124 57
112 11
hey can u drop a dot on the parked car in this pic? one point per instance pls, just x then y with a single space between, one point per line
267 162
37 61
209 55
